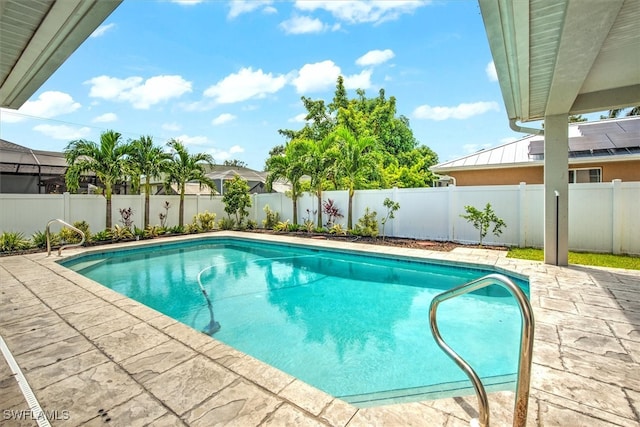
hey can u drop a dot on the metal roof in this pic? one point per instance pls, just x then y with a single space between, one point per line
37 36
17 159
562 56
615 139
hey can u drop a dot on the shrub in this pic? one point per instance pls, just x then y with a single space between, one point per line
153 231
368 224
67 235
176 229
330 209
482 220
391 208
338 230
120 233
282 226
226 223
309 225
294 227
102 236
39 239
126 217
272 218
206 221
252 224
13 241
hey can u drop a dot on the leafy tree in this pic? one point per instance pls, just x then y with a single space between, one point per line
184 167
392 207
150 161
108 160
289 165
318 163
482 220
354 164
236 198
235 163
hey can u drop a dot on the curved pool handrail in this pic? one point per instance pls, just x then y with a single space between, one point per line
526 346
70 245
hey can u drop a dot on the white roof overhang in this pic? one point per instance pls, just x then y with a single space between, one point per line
564 56
37 36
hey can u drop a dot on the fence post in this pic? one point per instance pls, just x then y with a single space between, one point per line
451 229
616 212
522 215
394 196
67 207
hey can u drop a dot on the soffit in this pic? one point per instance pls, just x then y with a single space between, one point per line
37 36
562 56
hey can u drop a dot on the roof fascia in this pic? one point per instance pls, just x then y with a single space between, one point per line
67 24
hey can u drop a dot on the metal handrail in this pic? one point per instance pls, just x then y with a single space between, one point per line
70 245
526 346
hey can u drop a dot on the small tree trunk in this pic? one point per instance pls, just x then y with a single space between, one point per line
350 211
319 208
147 188
295 209
181 214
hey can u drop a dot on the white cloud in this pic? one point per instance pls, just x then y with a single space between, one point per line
358 81
462 111
48 104
316 77
141 93
223 118
187 2
491 72
238 7
303 25
246 84
375 57
193 140
171 126
356 12
300 118
102 30
222 155
64 132
106 118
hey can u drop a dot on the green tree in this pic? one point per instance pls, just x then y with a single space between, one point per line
149 161
235 163
236 198
354 164
184 167
482 220
290 166
318 163
108 161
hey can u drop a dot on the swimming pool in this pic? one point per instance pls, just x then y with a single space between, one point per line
353 325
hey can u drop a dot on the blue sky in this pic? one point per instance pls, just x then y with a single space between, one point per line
223 77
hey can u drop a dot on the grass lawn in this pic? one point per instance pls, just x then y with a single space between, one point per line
583 258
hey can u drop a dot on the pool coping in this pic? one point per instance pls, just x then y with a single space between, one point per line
101 335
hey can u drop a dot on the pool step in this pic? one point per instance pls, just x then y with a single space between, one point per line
432 392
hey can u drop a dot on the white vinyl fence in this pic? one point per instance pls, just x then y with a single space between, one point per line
603 217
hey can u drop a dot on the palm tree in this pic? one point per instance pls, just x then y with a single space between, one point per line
355 163
184 167
150 161
107 160
288 165
318 160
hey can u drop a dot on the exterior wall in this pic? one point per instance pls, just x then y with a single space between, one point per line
502 176
602 216
626 171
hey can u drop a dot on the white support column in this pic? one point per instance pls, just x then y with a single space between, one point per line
616 213
522 215
556 189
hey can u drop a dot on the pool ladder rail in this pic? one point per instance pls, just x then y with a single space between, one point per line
70 245
526 347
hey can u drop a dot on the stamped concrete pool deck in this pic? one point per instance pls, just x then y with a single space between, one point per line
94 357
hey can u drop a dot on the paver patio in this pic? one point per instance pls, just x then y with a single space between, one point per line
92 355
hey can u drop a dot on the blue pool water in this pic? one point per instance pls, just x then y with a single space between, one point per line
353 325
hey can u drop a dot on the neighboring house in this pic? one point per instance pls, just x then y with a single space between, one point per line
599 151
27 171
221 173
256 180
